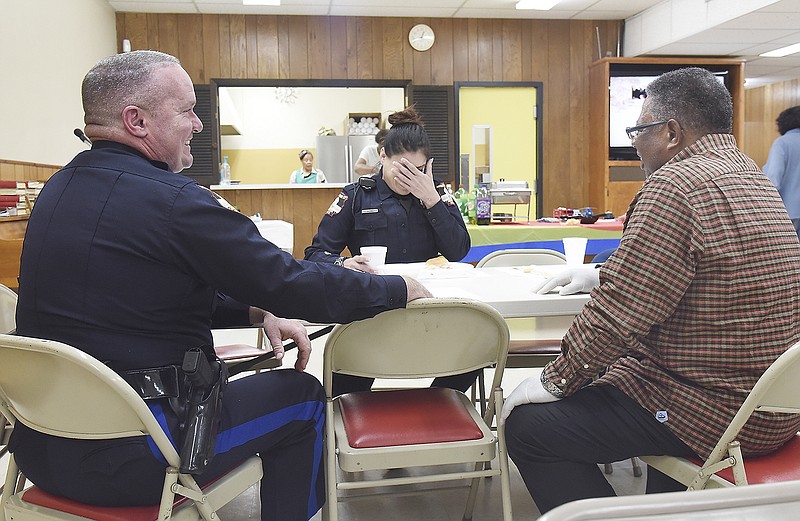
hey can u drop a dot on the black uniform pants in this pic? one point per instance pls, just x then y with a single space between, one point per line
277 414
345 383
557 446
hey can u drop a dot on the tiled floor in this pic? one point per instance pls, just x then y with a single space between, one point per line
422 503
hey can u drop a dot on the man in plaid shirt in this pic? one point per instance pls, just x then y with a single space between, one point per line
701 297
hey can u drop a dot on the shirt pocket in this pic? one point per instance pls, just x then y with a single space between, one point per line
370 222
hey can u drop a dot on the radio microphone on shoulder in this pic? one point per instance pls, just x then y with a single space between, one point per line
79 133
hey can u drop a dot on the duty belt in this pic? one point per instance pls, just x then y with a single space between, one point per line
155 382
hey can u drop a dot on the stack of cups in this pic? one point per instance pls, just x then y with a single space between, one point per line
363 127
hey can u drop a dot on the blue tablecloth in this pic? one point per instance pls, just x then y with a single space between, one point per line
486 239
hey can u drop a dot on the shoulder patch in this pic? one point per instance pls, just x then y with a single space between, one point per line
448 199
219 199
337 204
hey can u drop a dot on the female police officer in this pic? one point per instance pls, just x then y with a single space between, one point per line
400 207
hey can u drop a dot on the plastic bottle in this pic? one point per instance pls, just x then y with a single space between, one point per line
483 206
461 200
225 172
471 199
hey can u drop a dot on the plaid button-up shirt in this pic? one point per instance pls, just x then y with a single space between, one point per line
701 297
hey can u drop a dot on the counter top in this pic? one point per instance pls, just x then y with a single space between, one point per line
10 218
219 188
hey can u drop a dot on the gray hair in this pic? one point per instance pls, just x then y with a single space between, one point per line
694 97
121 80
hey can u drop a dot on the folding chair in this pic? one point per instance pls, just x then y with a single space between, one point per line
60 390
770 502
418 427
534 341
521 257
8 323
775 391
8 309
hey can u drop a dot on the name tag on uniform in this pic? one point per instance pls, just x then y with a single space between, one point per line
370 210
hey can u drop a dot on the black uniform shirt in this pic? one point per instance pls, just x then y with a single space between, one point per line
126 260
377 217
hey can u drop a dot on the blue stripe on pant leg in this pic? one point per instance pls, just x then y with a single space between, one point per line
318 447
257 427
158 412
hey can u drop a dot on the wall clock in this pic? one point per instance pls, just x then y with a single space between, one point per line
421 37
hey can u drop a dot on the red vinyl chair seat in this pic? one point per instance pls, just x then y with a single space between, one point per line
781 465
406 417
37 496
232 352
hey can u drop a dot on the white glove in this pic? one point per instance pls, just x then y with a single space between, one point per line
573 280
530 390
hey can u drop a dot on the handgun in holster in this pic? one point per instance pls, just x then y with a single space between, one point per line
206 378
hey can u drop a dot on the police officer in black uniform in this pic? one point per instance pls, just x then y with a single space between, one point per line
401 207
133 263
370 213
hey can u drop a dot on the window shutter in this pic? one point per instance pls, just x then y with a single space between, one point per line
435 105
203 169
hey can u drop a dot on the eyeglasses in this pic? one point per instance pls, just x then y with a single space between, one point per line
635 131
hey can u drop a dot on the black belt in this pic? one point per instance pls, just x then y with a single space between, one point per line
155 382
167 381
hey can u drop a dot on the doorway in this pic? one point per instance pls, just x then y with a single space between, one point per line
512 113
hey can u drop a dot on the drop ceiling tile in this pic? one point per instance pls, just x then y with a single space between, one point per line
763 20
155 7
690 49
738 36
784 6
393 4
376 10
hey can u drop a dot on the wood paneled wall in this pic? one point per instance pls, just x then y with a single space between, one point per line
555 52
303 207
762 106
23 171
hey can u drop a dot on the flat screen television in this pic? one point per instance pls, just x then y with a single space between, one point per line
626 95
627 90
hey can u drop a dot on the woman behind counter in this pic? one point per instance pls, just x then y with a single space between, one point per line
401 207
307 173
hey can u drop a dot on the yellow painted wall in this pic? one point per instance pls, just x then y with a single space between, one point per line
509 111
264 166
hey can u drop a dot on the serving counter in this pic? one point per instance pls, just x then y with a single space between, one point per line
486 239
302 205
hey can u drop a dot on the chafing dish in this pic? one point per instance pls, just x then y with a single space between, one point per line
510 192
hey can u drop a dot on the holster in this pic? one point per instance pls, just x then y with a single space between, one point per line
206 378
